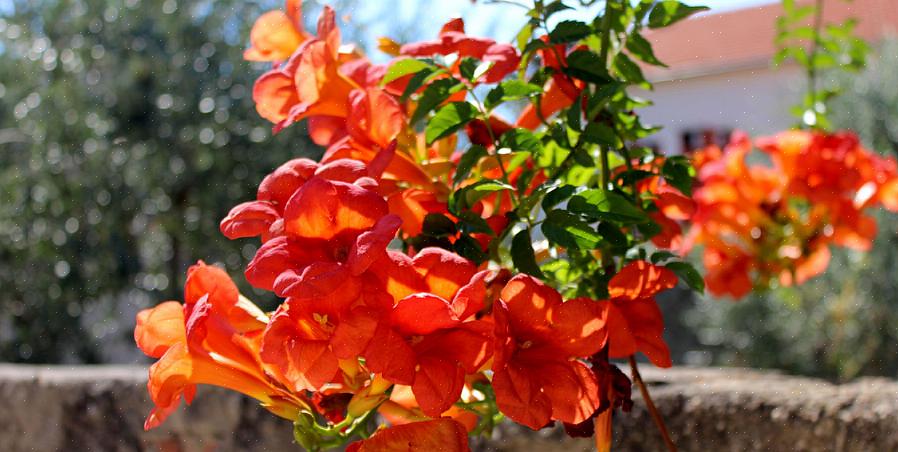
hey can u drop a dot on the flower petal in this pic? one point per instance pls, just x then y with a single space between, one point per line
519 397
249 219
324 209
438 384
422 313
640 279
159 328
444 435
443 272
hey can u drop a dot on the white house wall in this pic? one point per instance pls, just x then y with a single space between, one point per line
756 101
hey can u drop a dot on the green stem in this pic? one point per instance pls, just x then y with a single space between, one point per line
812 64
606 33
485 115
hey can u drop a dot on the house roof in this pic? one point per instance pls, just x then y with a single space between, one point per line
744 39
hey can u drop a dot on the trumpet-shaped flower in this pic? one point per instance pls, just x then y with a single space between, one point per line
277 34
333 231
310 83
634 321
213 338
537 374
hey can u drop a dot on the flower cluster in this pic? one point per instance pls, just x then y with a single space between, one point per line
411 282
774 223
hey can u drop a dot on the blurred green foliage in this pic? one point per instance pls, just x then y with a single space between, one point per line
844 323
127 131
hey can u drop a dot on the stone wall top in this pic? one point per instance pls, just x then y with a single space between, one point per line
49 408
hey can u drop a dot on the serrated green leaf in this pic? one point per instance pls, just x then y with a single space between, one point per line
467 162
641 48
522 254
555 7
519 139
587 66
677 171
467 196
448 120
605 205
601 134
435 94
668 12
628 69
510 90
600 98
418 80
556 196
568 230
569 31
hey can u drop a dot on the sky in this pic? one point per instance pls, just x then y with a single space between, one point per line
422 19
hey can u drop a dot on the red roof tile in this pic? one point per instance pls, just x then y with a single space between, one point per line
741 39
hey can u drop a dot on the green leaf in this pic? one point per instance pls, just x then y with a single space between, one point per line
641 48
555 7
469 248
417 80
583 158
528 202
519 139
510 90
575 113
659 256
532 46
435 94
688 274
677 171
601 134
436 224
467 196
642 10
630 176
556 196
522 254
628 69
604 205
405 67
668 12
587 66
472 222
524 35
600 98
468 160
568 230
467 67
613 236
488 186
649 229
569 31
448 120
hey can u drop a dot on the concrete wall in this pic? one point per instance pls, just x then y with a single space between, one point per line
101 408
